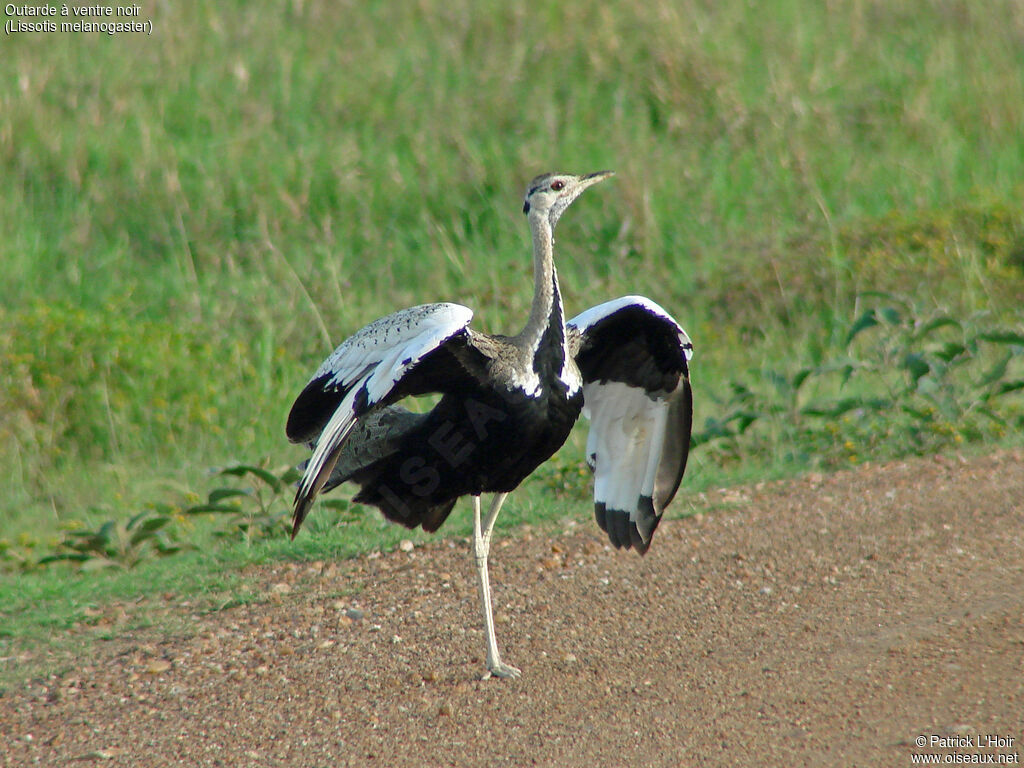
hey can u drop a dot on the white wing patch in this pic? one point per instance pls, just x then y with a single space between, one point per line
374 359
528 381
627 431
385 339
630 438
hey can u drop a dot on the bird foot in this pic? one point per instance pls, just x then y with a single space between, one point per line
504 671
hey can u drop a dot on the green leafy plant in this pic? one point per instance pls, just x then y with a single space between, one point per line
901 381
256 512
118 543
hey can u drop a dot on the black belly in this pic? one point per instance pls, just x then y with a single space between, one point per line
481 442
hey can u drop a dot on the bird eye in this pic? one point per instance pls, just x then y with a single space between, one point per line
557 186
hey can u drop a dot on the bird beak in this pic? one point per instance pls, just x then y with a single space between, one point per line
593 178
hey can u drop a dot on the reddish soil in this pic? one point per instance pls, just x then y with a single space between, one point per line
824 621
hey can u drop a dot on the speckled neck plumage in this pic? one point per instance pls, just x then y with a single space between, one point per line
547 305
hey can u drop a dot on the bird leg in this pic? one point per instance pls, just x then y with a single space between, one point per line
481 548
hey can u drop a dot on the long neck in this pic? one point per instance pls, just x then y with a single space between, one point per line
546 310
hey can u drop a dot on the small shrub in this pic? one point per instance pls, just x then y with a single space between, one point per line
903 381
259 511
117 543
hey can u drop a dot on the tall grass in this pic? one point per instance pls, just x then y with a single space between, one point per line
189 220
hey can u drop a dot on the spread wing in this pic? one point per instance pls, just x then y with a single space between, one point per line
415 351
634 357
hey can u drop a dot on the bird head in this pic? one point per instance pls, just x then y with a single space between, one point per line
550 194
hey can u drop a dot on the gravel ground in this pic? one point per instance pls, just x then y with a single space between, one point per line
832 620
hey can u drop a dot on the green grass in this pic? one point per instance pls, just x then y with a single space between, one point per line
190 220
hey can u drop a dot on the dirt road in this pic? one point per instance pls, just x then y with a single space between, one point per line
837 620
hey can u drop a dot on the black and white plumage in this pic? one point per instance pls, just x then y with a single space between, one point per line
634 361
507 404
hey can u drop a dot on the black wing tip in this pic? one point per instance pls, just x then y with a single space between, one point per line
624 533
312 409
302 505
